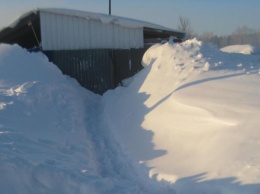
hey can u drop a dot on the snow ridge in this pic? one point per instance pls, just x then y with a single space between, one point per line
187 123
189 107
52 135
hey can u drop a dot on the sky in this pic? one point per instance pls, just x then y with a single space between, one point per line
222 17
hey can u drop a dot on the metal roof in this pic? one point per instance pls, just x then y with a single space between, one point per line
19 32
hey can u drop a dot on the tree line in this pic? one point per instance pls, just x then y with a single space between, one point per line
242 35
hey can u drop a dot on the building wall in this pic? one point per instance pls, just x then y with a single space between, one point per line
61 32
98 69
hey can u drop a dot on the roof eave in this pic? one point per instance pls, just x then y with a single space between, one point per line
164 33
18 27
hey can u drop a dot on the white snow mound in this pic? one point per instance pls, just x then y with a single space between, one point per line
187 123
52 137
242 49
191 117
44 147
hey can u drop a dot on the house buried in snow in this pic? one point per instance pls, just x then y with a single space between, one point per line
98 50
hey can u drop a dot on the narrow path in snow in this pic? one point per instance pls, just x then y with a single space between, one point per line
114 164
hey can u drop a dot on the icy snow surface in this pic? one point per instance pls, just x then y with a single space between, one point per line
188 124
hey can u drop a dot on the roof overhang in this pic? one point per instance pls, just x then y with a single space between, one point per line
23 31
155 33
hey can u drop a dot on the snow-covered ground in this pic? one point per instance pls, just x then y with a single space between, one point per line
188 124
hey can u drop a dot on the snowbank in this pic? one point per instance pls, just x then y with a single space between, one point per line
187 123
191 117
44 146
50 137
242 49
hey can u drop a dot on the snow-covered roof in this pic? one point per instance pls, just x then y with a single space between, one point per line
50 21
105 18
126 22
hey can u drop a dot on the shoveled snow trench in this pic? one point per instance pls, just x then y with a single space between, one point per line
114 164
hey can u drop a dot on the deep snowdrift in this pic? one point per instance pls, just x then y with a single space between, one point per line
43 142
51 137
190 118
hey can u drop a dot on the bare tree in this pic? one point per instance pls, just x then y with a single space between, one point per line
185 26
207 36
243 35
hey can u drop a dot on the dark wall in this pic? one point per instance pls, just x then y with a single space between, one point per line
98 69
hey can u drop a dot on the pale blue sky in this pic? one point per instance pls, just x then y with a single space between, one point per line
218 16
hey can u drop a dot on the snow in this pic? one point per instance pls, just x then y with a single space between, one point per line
191 117
43 146
242 49
187 123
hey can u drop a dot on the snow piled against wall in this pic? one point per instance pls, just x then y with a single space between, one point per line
191 117
43 141
50 139
188 123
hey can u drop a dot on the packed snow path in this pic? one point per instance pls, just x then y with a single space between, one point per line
114 164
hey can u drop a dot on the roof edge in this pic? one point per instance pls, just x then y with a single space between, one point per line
105 18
